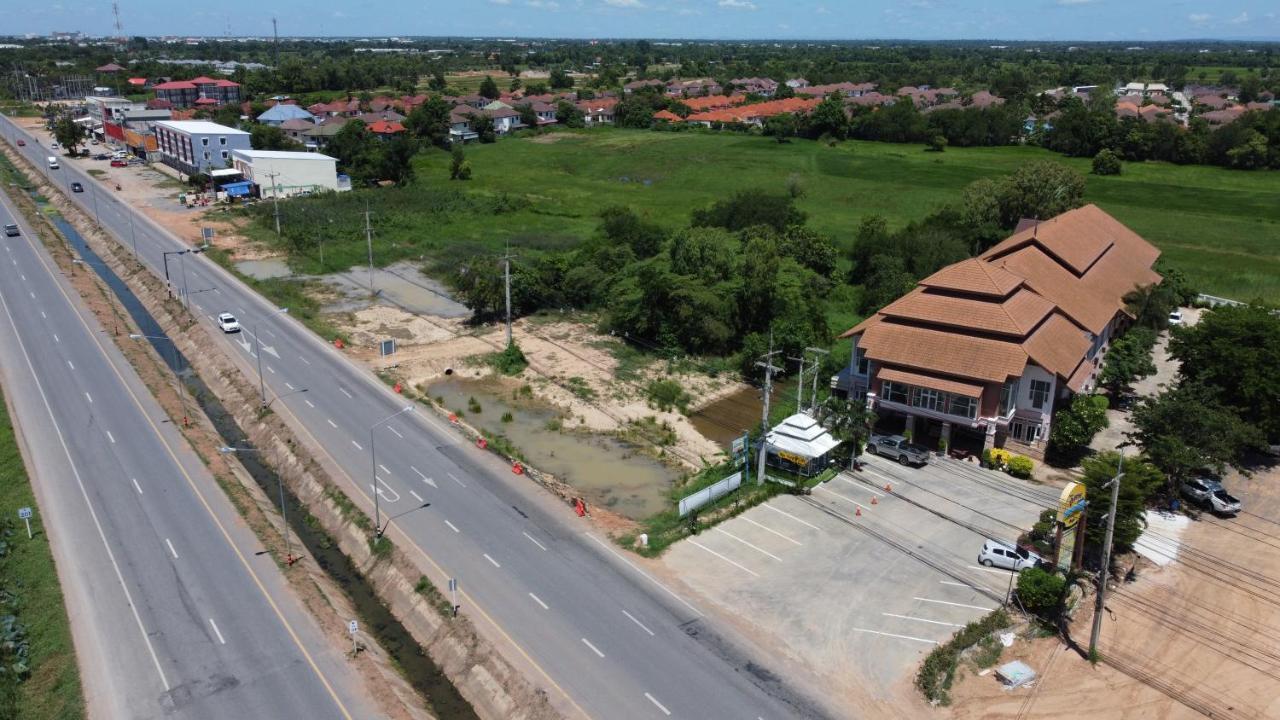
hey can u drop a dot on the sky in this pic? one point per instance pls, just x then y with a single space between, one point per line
1084 20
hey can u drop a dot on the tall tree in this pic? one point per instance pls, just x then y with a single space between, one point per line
1039 189
429 121
68 133
560 79
1141 480
489 88
1186 429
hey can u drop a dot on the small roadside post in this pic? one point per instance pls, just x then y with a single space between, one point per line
353 627
453 593
24 514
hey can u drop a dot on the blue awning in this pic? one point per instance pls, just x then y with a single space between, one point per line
237 189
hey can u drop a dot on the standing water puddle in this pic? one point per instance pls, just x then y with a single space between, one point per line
606 471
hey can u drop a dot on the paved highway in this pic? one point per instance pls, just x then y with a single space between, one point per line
605 639
173 615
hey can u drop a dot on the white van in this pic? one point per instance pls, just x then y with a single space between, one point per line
1003 555
53 163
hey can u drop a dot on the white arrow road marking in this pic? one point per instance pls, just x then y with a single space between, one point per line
389 490
244 345
270 351
425 479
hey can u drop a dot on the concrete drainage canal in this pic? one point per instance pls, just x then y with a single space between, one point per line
439 694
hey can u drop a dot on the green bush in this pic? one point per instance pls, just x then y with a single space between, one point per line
510 361
1041 592
1106 162
667 394
938 670
1020 466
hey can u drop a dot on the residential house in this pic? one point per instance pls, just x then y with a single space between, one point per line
635 85
197 146
764 87
598 111
713 102
319 136
505 119
980 352
754 114
109 69
984 99
693 88
546 112
667 116
475 101
797 83
847 89
460 128
385 129
294 128
280 112
335 108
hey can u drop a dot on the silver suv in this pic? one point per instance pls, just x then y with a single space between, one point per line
897 447
1208 491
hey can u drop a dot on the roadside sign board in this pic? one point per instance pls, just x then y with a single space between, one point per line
24 513
207 234
1071 504
353 627
388 346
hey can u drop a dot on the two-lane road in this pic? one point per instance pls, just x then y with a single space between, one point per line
604 638
173 616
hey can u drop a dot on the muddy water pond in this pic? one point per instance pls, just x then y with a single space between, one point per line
605 470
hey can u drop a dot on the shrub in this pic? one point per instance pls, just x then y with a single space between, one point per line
1041 591
1020 466
998 458
938 670
1106 162
667 394
937 143
510 361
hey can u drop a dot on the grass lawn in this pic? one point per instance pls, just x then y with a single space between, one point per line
52 692
1221 227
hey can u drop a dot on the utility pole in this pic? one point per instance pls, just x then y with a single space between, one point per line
368 239
1106 558
506 273
799 383
275 198
320 242
813 404
275 46
769 370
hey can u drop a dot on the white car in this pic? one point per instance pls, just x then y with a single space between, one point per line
1175 317
228 323
1003 555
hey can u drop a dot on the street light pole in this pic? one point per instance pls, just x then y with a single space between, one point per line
177 382
284 517
1106 558
373 461
257 350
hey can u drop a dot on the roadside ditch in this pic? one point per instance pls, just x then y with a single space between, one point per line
457 673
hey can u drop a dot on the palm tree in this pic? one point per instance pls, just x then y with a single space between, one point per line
848 421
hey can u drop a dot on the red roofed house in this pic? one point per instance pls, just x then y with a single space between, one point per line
185 93
386 129
108 68
667 116
754 114
138 83
981 350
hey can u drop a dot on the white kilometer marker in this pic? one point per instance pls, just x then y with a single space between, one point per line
534 541
136 486
217 632
416 496
659 705
89 397
344 392
358 446
495 562
171 550
111 437
308 402
634 620
331 423
539 601
397 432
594 649
452 526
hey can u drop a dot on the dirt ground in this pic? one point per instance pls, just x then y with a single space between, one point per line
1204 627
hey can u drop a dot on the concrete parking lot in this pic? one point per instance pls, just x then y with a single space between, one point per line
862 578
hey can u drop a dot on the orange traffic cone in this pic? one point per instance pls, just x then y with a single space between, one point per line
482 443
888 487
874 501
517 468
857 511
398 388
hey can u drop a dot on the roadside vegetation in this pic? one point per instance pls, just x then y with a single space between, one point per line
39 679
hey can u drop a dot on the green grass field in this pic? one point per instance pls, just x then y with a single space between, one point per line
1220 226
52 692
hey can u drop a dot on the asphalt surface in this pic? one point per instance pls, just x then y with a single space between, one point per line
604 638
172 613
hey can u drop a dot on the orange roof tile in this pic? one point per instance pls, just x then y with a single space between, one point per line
1058 345
1016 316
974 276
667 115
1082 375
931 382
943 352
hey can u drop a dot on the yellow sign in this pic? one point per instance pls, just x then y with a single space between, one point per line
1071 504
793 458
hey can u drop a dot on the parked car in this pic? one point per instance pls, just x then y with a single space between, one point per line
77 187
54 145
898 448
1010 557
53 162
1175 317
11 230
101 156
1208 491
228 323
1224 503
22 143
117 162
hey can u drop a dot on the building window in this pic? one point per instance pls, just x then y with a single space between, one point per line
222 141
862 363
1007 395
224 154
927 399
206 154
204 142
894 392
1039 394
963 406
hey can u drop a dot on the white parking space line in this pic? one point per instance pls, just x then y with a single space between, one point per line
747 570
397 432
136 486
89 398
842 497
344 392
957 584
308 402
358 445
594 649
859 485
757 548
455 479
659 705
495 562
955 604
452 526
534 541
171 550
539 601
894 635
217 632
768 506
111 437
332 424
634 620
990 570
416 496
923 620
766 528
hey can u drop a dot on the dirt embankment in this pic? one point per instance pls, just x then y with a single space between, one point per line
493 685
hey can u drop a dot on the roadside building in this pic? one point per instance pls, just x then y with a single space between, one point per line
189 93
286 173
280 112
979 353
197 146
800 445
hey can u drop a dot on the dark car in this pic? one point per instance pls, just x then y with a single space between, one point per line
77 187
102 156
22 143
11 230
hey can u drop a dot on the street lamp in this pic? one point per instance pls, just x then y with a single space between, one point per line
173 365
257 350
373 460
288 544
182 264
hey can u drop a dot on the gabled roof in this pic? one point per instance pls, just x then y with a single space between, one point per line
974 276
1015 316
386 127
948 353
667 115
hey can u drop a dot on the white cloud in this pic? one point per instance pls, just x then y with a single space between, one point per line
624 3
738 4
500 2
1240 19
821 10
1199 18
543 4
1069 3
